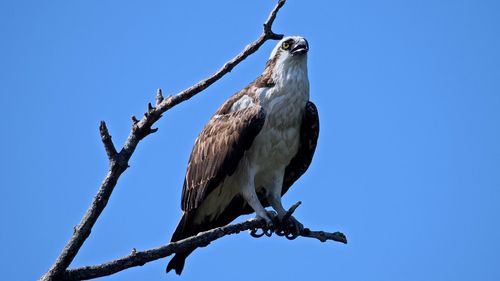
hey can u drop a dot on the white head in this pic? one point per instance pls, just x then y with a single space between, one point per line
291 47
288 60
290 54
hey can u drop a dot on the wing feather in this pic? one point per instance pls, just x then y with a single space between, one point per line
217 151
309 132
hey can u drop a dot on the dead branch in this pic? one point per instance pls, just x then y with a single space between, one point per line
203 239
118 161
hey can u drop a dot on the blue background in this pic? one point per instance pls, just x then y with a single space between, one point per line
407 165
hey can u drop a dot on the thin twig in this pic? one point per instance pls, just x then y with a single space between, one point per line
107 142
159 96
139 258
140 129
291 210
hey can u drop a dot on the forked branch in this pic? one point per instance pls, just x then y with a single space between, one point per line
118 161
203 239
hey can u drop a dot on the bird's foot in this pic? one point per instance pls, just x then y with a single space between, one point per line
289 227
269 228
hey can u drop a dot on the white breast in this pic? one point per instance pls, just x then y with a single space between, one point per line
278 141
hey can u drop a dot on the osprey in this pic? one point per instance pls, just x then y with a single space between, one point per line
257 144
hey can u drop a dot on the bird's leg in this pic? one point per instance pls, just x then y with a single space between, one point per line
251 197
253 201
290 226
275 202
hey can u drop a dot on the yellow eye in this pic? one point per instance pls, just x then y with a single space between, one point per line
285 45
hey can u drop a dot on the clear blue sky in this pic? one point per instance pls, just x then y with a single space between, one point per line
407 166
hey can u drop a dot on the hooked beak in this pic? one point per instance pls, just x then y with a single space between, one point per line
300 48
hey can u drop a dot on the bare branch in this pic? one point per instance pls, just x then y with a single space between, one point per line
270 20
159 97
139 258
324 236
291 210
150 107
140 129
108 143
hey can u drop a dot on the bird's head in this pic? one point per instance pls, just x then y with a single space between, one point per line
288 59
290 54
290 48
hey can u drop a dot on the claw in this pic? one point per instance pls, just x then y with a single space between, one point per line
268 229
268 232
280 232
254 233
290 228
291 236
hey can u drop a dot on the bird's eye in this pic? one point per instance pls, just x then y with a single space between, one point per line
285 45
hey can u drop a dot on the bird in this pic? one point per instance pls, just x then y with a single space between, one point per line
255 146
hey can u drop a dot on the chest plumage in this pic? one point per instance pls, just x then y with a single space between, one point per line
284 105
258 143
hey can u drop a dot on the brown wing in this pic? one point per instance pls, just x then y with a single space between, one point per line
223 142
217 151
309 132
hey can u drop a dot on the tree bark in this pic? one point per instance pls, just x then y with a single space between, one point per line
118 163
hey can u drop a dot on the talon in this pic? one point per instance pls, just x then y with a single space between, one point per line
267 218
273 217
291 227
267 229
291 236
280 232
254 233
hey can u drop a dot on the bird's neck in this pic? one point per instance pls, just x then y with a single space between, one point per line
290 90
292 76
